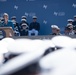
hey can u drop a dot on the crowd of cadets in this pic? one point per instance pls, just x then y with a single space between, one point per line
22 29
32 29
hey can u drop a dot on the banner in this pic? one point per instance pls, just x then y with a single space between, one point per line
48 12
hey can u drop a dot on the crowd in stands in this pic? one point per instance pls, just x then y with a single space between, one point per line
70 28
32 29
23 28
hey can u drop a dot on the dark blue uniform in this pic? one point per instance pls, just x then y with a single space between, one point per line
34 25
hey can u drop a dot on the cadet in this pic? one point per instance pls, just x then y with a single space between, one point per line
70 21
55 30
16 26
34 27
24 29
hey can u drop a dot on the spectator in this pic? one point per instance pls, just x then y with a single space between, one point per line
55 30
7 23
24 20
58 31
16 26
74 22
1 21
24 30
66 31
71 31
34 27
70 21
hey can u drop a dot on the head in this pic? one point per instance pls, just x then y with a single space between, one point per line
54 28
23 17
67 30
70 26
70 21
24 26
6 17
75 18
34 18
13 18
23 20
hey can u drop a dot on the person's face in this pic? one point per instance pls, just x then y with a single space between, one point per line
6 18
70 22
24 27
34 20
71 27
13 19
54 30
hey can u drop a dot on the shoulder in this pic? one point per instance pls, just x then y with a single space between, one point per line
9 21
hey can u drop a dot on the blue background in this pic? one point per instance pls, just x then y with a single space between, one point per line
48 11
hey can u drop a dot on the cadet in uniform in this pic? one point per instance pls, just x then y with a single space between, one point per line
34 27
24 20
16 26
71 31
55 30
24 29
74 24
70 21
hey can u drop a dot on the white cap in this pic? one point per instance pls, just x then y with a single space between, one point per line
23 20
5 14
24 24
70 20
74 16
58 28
69 24
54 26
13 17
23 17
34 17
